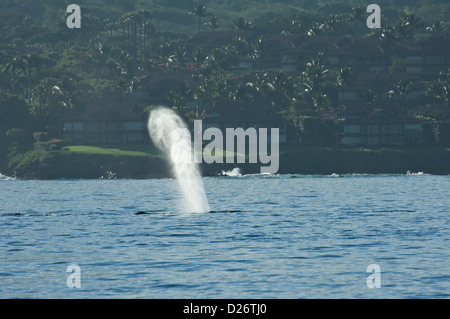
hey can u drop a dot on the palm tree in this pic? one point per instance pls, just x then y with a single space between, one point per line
439 90
123 21
292 26
31 61
166 53
206 93
53 102
15 67
216 62
258 50
344 78
370 96
315 79
241 24
199 11
109 26
213 23
407 25
402 88
147 28
93 24
280 89
200 55
181 56
437 27
140 20
357 15
178 97
241 93
238 48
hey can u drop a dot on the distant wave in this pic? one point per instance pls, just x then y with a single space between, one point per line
235 172
6 178
415 174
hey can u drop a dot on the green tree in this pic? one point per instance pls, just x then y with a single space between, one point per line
199 11
206 94
13 112
239 48
17 138
356 15
437 27
258 50
178 97
369 96
241 24
280 88
405 27
33 63
439 91
316 78
344 79
213 23
51 103
15 68
402 88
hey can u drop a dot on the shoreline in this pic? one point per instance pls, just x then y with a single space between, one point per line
294 159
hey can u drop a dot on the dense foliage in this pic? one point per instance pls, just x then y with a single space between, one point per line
50 72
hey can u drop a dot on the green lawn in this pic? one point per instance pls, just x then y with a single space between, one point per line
96 150
124 150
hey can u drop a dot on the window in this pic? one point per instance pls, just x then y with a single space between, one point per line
114 138
91 127
379 68
352 140
415 69
394 128
333 60
394 140
373 140
78 126
135 137
377 60
414 60
411 128
348 96
112 126
352 128
373 129
68 126
134 126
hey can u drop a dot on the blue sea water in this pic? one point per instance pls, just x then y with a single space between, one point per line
288 236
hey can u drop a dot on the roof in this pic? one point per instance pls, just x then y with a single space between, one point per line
111 112
166 80
374 46
437 44
380 80
382 116
256 111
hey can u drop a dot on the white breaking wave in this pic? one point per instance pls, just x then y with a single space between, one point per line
6 178
235 172
415 174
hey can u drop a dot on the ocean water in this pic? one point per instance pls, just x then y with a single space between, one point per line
288 236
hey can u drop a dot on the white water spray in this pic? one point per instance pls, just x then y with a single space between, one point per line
166 130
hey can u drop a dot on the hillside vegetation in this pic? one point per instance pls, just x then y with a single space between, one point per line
49 73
